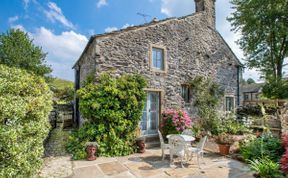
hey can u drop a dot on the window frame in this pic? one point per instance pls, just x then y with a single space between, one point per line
188 93
164 59
233 102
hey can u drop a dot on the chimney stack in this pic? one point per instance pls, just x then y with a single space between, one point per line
208 6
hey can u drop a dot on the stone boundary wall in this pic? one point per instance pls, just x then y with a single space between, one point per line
61 114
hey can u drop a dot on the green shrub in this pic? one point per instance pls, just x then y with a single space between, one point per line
25 102
113 109
266 146
266 168
230 125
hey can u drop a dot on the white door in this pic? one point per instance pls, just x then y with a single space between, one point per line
150 118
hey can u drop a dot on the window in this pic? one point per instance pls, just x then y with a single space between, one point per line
229 103
185 92
158 58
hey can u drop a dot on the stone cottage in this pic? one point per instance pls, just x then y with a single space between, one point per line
168 53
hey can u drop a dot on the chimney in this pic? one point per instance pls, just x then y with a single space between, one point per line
208 6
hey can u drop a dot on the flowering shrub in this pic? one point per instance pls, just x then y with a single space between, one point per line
284 162
174 121
285 140
284 158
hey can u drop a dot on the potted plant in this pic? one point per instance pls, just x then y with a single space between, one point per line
140 141
224 142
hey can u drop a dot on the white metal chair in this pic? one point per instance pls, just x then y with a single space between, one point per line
199 150
163 145
177 147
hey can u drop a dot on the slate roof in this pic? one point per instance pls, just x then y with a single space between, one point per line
252 88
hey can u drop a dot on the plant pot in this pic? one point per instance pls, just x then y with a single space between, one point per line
91 151
224 149
140 146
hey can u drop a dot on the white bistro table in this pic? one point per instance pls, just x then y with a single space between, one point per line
187 138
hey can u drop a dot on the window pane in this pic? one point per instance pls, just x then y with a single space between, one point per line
185 93
229 103
157 58
144 121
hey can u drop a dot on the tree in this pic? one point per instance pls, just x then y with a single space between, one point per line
250 81
264 30
18 50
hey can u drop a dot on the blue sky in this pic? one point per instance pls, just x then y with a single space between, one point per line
63 27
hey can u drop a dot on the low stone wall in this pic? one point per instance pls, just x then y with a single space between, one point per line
61 114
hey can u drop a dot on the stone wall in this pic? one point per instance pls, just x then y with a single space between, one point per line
193 48
62 114
283 116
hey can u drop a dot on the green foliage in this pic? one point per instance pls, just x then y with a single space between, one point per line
25 103
250 81
266 168
255 110
265 146
275 89
17 50
207 97
113 109
264 33
63 90
230 125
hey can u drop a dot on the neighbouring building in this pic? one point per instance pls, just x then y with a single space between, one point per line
168 53
250 93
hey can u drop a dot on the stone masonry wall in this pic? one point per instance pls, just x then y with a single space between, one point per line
192 48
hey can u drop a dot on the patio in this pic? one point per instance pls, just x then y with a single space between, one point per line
148 164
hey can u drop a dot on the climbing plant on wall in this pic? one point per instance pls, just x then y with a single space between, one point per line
207 94
113 109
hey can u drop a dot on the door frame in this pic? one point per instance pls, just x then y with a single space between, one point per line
161 103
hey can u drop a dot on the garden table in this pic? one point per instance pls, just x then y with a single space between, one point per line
187 138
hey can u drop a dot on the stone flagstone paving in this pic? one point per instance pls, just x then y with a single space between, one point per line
148 165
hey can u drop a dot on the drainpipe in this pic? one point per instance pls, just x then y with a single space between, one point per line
238 85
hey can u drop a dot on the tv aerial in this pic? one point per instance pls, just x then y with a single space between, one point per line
144 16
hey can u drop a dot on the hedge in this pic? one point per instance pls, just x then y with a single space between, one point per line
25 103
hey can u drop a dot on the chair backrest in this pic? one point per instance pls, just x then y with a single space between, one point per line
160 137
187 132
201 144
177 145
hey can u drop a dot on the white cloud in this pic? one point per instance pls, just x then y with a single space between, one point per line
101 3
176 7
127 25
18 26
13 19
55 14
110 29
63 50
26 4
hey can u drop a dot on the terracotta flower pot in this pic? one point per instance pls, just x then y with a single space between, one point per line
91 152
140 146
224 149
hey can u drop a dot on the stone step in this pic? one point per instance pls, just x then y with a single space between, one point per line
152 144
151 138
